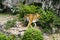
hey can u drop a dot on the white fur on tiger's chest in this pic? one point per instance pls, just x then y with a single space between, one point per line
35 20
28 19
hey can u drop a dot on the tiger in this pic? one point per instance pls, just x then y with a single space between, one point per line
32 18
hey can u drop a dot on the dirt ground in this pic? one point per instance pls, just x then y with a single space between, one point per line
5 17
52 37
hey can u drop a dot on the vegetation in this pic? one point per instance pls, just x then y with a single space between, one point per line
32 34
10 23
4 37
26 9
47 17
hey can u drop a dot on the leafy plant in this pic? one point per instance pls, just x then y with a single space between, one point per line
15 10
26 9
57 20
4 37
32 34
10 24
48 19
12 37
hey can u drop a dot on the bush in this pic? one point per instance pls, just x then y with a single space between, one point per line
32 34
46 16
10 24
48 20
4 37
26 9
15 10
57 20
12 37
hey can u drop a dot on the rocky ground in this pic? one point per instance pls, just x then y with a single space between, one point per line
18 30
52 37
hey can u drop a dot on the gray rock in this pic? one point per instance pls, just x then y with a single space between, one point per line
1 25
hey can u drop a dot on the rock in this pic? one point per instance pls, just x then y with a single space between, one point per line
1 25
54 30
18 24
45 36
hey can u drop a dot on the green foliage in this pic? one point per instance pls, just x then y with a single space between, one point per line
47 30
48 19
4 37
46 16
15 10
26 9
57 20
32 34
10 24
12 37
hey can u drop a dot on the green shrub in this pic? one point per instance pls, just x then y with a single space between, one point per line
12 37
15 10
10 24
57 20
48 20
26 9
32 34
46 16
47 30
4 37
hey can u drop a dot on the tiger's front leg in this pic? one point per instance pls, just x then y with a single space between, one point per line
29 24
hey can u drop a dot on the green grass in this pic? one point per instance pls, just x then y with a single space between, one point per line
5 14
